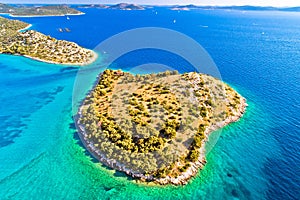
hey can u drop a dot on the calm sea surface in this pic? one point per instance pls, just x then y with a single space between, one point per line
258 53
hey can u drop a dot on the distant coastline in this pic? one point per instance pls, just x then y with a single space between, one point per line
237 8
38 11
62 15
120 6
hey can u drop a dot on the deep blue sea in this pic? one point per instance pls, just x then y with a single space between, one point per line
257 53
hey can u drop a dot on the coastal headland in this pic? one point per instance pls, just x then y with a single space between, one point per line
15 39
154 127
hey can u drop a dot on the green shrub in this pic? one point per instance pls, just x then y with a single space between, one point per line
102 92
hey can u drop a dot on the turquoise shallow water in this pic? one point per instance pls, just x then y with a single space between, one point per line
255 158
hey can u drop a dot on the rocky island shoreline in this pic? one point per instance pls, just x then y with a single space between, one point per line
99 133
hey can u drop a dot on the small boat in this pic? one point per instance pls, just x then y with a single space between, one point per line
67 30
60 30
203 26
174 21
68 18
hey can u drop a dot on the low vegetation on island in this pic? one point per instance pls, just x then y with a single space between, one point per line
40 47
153 127
48 10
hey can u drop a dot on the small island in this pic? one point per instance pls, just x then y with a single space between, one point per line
126 6
120 6
16 40
32 11
154 127
185 7
101 6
